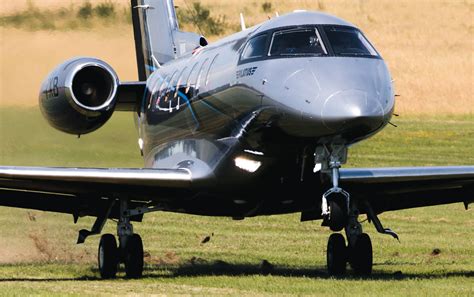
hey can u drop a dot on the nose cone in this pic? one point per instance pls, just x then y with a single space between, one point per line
352 109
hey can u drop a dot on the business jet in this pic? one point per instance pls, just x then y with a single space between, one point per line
258 123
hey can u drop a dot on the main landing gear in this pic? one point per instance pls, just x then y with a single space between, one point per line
128 251
339 212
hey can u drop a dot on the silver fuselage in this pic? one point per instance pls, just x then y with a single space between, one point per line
202 110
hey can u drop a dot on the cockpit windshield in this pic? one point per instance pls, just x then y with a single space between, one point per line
308 41
297 42
346 41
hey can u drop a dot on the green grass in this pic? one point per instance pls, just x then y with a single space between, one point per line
39 254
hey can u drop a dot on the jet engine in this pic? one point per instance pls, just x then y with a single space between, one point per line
79 96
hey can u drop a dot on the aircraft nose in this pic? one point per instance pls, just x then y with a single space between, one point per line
352 109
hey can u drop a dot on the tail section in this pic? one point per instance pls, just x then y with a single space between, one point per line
158 39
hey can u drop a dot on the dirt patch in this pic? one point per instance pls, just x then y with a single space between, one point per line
18 250
169 258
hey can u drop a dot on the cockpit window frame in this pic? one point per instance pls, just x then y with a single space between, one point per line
243 60
333 53
321 34
295 30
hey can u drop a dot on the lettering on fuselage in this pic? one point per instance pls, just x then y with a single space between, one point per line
246 72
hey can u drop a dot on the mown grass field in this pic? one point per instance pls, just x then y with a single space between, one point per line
38 254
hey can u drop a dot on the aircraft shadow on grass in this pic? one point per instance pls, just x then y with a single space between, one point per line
221 268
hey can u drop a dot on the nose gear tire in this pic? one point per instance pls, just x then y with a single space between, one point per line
360 255
338 216
336 254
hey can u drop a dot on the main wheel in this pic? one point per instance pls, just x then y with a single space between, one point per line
336 254
338 216
108 256
133 256
360 255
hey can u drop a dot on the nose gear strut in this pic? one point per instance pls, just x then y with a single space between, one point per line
335 203
339 212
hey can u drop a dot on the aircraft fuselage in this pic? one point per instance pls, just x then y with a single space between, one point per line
211 109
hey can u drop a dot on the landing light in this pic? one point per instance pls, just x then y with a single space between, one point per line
247 164
317 167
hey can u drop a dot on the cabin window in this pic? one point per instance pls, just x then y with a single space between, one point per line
155 90
192 77
201 71
209 70
297 42
347 41
158 91
165 92
255 48
180 83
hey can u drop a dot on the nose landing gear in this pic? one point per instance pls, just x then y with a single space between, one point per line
357 252
339 212
335 202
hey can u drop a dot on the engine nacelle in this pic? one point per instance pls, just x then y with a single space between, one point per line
79 96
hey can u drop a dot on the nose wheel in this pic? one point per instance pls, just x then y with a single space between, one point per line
358 255
336 254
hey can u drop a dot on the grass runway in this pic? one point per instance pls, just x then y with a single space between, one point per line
38 254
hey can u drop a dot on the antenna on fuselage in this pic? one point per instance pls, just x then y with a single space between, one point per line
242 22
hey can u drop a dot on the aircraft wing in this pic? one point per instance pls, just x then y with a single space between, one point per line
82 191
408 187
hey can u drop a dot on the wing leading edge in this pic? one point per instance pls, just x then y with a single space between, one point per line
86 191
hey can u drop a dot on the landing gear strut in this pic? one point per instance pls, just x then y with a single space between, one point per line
335 201
339 212
129 252
130 247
